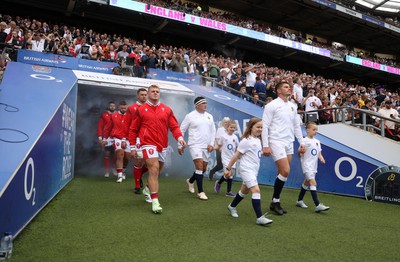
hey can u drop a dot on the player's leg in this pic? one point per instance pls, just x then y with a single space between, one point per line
218 166
313 190
303 190
106 162
119 164
283 166
238 198
256 203
137 174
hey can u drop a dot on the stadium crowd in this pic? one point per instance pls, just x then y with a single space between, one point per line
254 82
262 26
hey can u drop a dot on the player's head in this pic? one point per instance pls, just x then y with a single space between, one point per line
141 95
111 106
153 93
225 121
122 106
311 129
231 126
200 104
283 89
254 128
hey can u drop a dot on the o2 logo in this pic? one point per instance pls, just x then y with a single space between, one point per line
30 193
45 77
352 174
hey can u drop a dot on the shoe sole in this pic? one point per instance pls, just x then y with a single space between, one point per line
277 212
157 211
319 211
264 224
301 206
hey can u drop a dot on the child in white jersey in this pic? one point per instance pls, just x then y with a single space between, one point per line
309 164
249 150
227 143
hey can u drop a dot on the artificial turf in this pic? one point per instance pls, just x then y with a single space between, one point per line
96 219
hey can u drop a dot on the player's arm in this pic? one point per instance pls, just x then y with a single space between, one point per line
266 121
228 169
298 134
321 158
108 129
100 129
134 132
175 130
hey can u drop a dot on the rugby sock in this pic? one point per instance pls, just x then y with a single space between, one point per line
137 174
154 195
193 178
303 191
256 202
278 186
221 180
144 169
107 164
313 191
119 172
229 181
199 180
239 197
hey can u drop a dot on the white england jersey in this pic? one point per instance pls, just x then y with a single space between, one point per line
201 129
280 123
309 160
228 144
250 161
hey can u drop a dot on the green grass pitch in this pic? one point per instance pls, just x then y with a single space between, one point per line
96 219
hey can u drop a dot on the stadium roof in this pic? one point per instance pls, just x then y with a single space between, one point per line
391 6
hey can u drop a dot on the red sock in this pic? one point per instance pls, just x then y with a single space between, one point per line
107 164
119 170
154 195
137 173
144 169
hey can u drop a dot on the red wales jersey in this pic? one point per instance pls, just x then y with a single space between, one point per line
131 113
117 128
105 119
151 125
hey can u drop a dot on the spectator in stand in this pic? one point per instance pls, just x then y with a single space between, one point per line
389 112
260 89
213 69
222 80
149 60
123 53
311 103
3 34
325 116
298 90
82 49
237 80
250 78
39 42
338 114
178 64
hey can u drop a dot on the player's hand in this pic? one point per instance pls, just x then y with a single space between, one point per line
182 143
267 151
180 150
134 154
227 174
210 148
323 161
302 149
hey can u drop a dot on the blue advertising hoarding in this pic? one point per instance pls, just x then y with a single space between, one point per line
67 62
37 138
